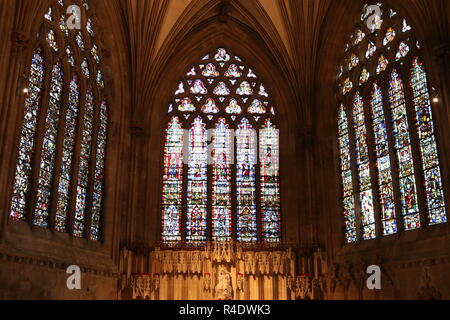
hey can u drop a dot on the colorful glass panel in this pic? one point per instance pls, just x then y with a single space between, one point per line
67 156
386 192
270 187
245 181
362 160
408 193
99 173
48 156
54 186
27 142
83 169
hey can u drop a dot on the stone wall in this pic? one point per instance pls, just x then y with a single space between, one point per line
22 278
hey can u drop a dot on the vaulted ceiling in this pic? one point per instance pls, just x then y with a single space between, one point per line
303 37
299 34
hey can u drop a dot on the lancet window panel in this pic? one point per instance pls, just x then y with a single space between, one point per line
221 175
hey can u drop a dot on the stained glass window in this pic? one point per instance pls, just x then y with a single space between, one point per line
48 156
62 209
359 37
428 147
83 170
216 185
371 49
57 127
221 177
385 145
404 156
353 62
99 173
269 171
348 86
347 179
197 182
173 181
52 41
365 75
382 64
362 160
386 191
27 137
246 182
403 50
390 36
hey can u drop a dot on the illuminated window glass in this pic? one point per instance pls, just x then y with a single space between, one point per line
270 187
407 180
221 185
48 156
386 190
428 148
197 190
362 160
396 145
173 181
27 137
67 194
348 203
246 182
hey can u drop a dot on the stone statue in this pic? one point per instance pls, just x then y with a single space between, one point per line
156 282
224 289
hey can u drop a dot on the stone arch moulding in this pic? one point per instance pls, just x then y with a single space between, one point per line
207 38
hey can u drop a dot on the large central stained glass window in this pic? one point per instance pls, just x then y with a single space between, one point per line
59 176
221 168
